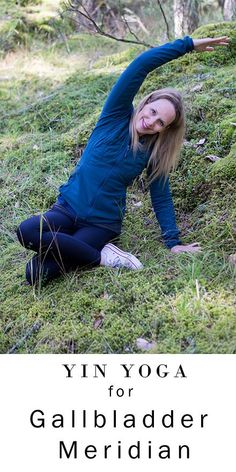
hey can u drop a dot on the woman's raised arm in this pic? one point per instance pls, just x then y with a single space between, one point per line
123 92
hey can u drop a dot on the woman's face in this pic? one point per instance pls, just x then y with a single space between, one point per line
155 117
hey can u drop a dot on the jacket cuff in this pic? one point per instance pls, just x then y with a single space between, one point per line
189 43
172 243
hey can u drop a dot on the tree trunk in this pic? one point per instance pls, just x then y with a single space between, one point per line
186 16
221 4
229 10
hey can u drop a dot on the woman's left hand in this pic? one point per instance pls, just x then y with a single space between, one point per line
208 44
194 247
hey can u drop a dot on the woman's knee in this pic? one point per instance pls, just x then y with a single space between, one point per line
27 233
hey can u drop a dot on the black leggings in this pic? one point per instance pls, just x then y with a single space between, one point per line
61 243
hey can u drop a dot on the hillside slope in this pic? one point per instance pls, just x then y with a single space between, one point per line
185 303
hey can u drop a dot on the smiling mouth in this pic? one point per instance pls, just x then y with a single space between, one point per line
144 126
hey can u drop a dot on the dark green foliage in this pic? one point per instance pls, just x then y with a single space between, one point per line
23 24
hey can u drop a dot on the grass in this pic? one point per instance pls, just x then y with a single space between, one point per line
50 100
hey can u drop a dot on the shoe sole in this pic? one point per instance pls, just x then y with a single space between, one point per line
119 252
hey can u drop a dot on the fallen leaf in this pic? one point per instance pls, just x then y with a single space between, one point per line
212 157
105 296
145 345
197 87
201 142
98 320
189 144
127 349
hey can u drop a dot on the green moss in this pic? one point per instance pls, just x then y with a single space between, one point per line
227 129
224 169
121 58
232 153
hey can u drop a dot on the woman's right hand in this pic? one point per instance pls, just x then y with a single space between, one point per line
208 44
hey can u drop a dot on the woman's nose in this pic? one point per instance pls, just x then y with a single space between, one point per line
151 120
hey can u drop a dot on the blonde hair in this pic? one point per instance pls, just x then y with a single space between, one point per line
164 147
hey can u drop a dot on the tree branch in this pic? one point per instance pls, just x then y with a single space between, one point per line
165 20
72 6
129 29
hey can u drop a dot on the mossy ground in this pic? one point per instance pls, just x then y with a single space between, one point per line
50 101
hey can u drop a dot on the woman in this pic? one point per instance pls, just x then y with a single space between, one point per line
89 210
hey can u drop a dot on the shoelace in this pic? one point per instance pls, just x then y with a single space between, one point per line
117 263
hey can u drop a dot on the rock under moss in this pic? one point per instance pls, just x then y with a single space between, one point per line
225 169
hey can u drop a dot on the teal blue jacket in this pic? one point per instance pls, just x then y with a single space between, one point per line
96 190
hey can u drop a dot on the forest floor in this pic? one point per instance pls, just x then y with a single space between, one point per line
52 92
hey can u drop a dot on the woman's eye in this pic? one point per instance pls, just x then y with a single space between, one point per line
153 111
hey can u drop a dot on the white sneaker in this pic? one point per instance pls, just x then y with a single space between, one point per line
112 256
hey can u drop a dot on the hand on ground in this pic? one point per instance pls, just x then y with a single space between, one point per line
208 44
194 247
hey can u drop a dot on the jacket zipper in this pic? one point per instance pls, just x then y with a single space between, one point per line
101 184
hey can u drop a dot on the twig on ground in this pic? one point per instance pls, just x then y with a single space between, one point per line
36 326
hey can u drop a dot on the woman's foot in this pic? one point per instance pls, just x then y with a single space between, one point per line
112 256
